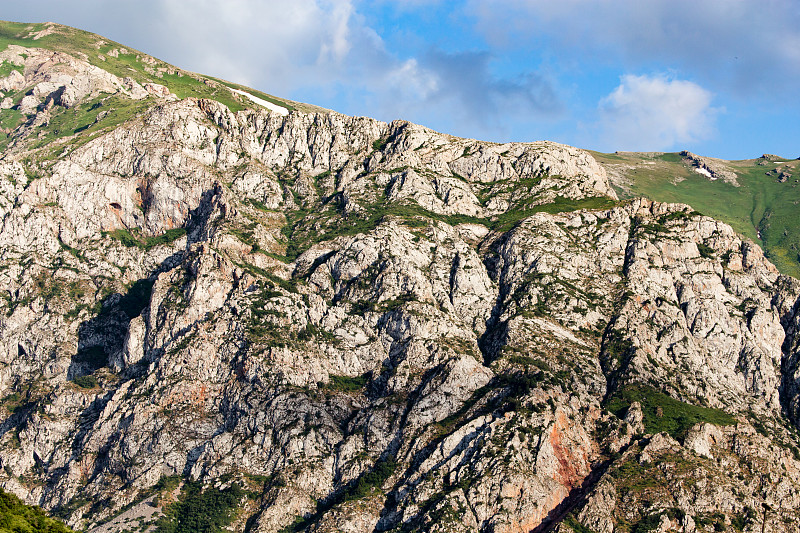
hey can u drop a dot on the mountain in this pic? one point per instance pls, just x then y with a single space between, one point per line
219 314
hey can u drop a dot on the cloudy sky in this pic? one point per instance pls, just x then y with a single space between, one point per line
717 77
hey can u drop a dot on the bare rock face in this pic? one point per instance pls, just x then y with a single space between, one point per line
710 167
702 439
376 327
13 82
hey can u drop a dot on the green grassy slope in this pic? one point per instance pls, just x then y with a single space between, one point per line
761 208
137 65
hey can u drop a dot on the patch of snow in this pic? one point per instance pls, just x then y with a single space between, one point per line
260 101
704 172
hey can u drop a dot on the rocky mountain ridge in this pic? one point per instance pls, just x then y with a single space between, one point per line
349 325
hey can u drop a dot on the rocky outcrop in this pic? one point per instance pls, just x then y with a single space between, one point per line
60 77
712 168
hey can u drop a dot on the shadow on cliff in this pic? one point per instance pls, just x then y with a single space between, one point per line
103 335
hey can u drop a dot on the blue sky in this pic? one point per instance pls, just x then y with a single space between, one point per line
717 77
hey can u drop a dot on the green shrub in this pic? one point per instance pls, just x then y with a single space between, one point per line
171 235
379 144
576 526
654 228
523 360
12 402
616 347
705 251
361 487
125 237
647 523
741 520
167 483
371 480
7 67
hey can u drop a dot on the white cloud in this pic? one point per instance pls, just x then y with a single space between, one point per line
410 81
337 46
276 46
655 113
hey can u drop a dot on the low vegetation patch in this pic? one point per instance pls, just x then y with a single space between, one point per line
134 238
576 526
346 383
663 413
379 144
86 382
762 207
705 251
200 510
101 113
300 238
372 480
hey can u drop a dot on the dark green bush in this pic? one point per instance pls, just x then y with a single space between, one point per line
168 236
125 237
134 240
85 382
705 251
371 480
647 523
